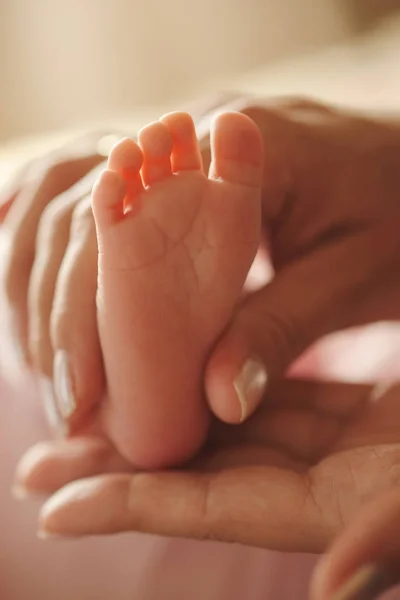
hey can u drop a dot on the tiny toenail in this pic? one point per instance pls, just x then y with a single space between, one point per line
367 583
250 385
65 396
52 411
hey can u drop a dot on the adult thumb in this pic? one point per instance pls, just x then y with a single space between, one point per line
311 297
364 561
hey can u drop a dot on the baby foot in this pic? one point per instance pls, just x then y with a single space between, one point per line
175 247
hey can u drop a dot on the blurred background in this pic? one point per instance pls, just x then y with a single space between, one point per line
71 63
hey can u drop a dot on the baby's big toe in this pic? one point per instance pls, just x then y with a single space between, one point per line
237 150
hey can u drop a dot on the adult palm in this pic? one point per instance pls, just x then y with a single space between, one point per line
290 478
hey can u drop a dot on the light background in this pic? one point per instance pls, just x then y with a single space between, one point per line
65 62
72 62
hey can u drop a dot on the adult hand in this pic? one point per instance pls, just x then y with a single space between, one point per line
330 196
45 189
332 216
364 561
37 209
291 478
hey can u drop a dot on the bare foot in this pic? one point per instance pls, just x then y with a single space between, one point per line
174 251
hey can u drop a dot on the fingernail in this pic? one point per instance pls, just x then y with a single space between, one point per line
57 508
63 384
250 385
19 492
54 417
27 466
366 584
43 534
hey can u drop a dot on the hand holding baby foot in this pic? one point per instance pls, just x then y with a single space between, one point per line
332 216
173 259
316 227
330 204
291 478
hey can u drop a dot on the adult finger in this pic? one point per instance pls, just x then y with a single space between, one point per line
10 190
364 561
20 229
48 466
78 367
321 292
51 243
256 506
